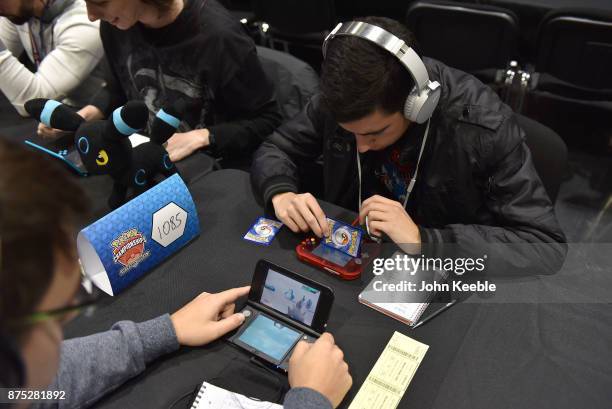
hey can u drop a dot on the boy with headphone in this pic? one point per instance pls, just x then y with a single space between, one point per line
426 154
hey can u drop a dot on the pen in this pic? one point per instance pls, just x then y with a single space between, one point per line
435 314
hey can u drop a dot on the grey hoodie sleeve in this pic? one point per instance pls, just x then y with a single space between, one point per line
305 398
92 366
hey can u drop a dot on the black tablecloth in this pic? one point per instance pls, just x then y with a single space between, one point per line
481 355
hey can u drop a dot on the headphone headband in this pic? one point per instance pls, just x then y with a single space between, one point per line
423 99
384 39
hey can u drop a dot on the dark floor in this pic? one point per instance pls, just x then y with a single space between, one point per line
584 204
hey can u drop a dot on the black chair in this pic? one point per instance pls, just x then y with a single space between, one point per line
349 9
241 9
295 82
475 38
549 154
297 27
574 54
572 88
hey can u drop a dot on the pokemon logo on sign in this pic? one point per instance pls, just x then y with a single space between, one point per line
129 250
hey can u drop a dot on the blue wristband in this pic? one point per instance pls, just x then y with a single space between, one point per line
120 124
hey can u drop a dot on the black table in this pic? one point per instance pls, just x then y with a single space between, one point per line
481 355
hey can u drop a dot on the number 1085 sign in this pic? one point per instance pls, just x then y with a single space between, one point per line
168 224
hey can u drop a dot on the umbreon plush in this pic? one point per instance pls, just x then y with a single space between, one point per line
105 148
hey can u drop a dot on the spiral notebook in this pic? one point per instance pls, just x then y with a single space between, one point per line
405 306
212 397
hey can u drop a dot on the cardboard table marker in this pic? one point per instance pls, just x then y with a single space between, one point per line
128 242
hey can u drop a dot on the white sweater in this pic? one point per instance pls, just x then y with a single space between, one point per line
70 54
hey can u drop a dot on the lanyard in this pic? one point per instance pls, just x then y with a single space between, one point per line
414 176
36 53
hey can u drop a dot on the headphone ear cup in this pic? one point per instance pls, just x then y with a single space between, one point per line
12 374
409 105
420 107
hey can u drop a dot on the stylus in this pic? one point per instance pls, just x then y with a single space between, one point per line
435 314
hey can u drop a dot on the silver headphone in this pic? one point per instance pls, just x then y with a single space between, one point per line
424 97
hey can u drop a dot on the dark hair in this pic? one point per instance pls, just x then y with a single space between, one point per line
41 207
359 77
161 5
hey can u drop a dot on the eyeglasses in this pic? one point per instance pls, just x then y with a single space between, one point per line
84 303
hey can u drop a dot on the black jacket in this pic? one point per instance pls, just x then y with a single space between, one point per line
477 191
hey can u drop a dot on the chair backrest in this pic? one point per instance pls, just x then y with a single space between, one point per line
548 151
294 80
296 16
236 4
470 37
575 47
349 9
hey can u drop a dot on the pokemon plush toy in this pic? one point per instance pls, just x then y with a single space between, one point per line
105 148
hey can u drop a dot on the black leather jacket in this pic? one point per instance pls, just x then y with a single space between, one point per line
477 185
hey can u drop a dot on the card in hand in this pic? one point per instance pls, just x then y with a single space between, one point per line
263 231
344 237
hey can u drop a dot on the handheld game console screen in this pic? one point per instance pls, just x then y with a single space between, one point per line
290 297
74 158
270 337
332 255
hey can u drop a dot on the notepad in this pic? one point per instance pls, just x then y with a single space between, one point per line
212 397
408 313
405 306
389 378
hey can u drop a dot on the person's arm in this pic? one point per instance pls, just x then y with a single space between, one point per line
275 169
77 52
525 235
91 367
305 398
318 375
275 163
249 104
9 38
246 100
108 97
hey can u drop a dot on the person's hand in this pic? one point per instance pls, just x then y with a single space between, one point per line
208 317
389 217
89 113
320 366
300 212
181 145
46 132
